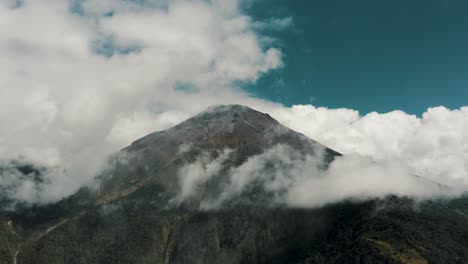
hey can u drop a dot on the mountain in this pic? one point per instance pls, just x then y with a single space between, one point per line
151 207
156 159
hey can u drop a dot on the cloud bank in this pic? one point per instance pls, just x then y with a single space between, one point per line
434 145
83 78
283 176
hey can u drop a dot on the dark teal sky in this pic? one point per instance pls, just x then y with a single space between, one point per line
369 55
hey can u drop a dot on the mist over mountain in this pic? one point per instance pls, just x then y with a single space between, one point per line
233 185
207 154
18 178
336 132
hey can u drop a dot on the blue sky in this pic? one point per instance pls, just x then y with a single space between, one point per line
368 55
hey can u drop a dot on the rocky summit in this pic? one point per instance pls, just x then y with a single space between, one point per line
150 206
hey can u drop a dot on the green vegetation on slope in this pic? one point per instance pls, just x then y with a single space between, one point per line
393 230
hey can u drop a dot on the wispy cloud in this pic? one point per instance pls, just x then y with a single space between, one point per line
283 176
275 24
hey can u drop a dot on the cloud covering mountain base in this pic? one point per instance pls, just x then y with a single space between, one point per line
84 79
282 176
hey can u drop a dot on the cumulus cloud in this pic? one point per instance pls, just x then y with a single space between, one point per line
81 79
84 78
434 146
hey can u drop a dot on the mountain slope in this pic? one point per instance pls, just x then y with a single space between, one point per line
388 231
155 160
138 216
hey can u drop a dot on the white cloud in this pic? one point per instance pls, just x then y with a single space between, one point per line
290 178
360 178
66 106
389 153
276 24
195 174
434 146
